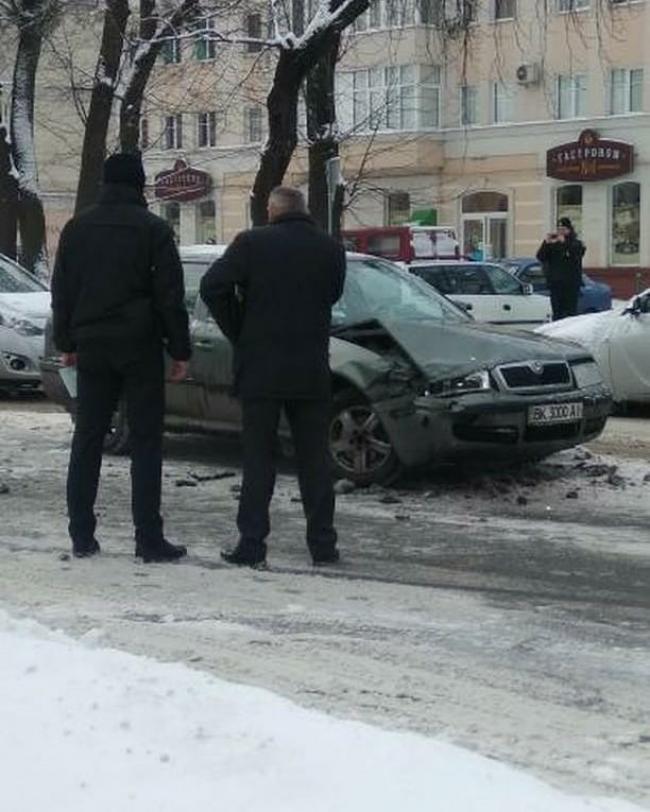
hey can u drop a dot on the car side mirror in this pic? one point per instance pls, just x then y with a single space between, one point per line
635 309
528 289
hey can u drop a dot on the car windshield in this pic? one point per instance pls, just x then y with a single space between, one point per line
376 289
14 280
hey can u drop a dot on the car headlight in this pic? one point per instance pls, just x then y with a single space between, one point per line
587 374
23 326
474 382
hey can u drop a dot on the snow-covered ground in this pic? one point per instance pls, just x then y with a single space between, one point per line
507 614
93 729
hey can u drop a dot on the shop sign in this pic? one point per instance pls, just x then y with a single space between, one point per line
590 158
182 183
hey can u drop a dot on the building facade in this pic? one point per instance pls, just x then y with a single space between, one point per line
454 112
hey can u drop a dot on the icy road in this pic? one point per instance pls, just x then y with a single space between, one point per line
508 614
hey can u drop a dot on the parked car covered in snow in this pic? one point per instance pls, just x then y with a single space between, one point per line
415 381
24 309
594 296
619 340
487 291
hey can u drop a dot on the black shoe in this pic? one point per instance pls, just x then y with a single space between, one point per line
159 552
86 550
321 558
246 555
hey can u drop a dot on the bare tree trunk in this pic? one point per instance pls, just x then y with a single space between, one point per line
31 217
294 64
101 102
151 42
321 131
8 200
282 106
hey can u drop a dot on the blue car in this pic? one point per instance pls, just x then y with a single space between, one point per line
594 296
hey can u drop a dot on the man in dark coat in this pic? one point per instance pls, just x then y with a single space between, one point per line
118 303
272 294
561 256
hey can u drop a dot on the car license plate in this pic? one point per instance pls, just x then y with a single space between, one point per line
554 413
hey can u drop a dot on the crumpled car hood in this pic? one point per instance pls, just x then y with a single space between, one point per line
442 350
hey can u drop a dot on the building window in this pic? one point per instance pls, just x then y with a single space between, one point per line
568 203
171 212
398 208
469 10
484 217
207 130
468 106
397 98
206 227
571 95
205 45
253 129
254 33
144 133
626 91
502 103
171 51
173 132
566 6
505 9
626 223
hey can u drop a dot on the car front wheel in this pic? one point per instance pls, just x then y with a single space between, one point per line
360 447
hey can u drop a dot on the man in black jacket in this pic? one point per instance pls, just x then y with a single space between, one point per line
561 256
272 294
118 302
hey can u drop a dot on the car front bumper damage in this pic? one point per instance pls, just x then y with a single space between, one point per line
431 429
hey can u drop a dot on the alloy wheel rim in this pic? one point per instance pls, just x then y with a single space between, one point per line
358 441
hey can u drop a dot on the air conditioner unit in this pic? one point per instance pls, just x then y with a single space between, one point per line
528 74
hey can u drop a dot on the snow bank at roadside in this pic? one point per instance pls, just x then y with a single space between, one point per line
89 729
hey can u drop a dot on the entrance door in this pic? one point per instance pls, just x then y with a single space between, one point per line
485 236
485 225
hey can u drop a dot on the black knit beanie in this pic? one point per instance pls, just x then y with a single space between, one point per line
125 168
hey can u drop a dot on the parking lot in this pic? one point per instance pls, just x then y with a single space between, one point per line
508 612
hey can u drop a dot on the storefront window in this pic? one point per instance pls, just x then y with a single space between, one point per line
568 203
206 229
626 219
172 213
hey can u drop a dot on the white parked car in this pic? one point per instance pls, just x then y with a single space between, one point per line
487 291
619 340
24 309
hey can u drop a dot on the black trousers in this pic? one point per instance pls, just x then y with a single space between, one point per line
564 302
309 424
106 375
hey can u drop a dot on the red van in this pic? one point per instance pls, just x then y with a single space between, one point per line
404 243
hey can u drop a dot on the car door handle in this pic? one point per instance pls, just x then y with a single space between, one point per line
507 307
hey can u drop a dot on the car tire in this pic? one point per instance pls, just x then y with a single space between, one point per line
360 448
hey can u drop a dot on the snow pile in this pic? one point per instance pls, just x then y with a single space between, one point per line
89 729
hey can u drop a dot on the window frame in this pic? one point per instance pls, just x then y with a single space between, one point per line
204 40
248 129
628 87
578 93
254 32
171 51
464 122
206 128
510 96
508 16
573 6
173 135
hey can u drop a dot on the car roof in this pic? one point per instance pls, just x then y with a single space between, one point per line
452 263
207 252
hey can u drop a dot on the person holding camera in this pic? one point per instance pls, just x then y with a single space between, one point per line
561 256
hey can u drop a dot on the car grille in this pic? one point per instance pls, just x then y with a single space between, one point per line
534 376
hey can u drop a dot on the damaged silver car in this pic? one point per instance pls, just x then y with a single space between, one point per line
416 382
